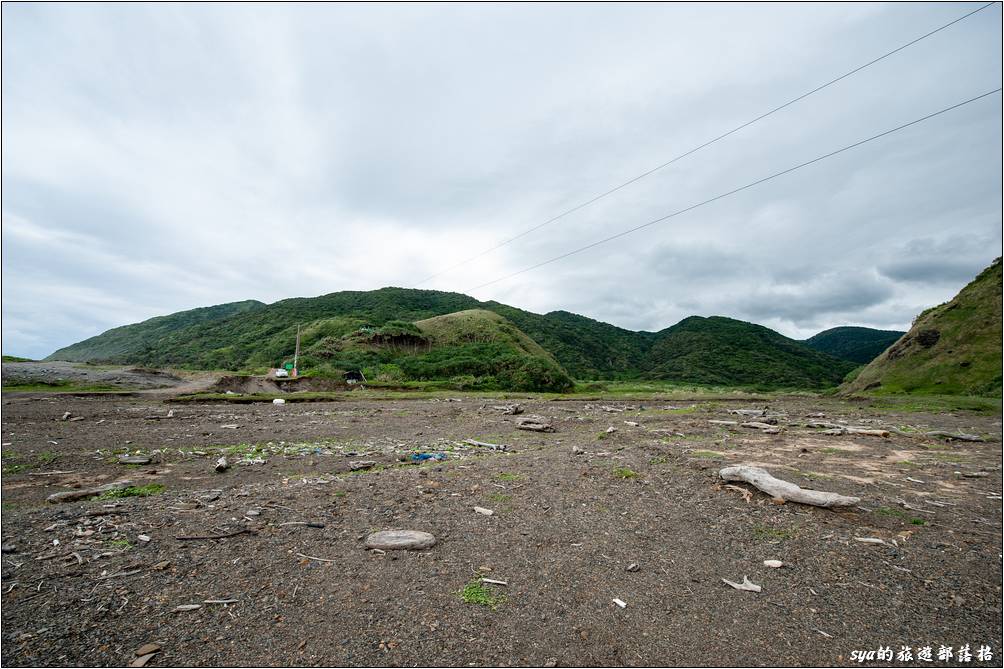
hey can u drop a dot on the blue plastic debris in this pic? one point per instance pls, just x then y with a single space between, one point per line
420 457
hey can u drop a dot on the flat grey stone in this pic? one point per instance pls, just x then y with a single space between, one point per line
395 540
134 459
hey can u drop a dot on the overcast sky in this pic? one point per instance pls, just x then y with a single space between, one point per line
159 157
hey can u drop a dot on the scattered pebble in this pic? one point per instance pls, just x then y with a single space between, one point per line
773 564
620 603
632 567
483 511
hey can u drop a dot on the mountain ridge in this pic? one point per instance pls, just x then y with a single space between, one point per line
254 336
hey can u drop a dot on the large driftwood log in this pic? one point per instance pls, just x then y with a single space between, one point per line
790 492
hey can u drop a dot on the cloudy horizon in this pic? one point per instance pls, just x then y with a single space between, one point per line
162 157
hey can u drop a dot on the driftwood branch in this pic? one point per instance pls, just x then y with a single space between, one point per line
485 444
534 425
790 492
952 435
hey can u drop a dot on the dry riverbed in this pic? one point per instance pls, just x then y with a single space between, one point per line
583 520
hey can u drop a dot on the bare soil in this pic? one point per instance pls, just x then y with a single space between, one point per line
119 376
81 587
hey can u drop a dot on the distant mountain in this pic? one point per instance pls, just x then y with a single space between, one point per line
129 343
857 344
952 349
724 351
337 332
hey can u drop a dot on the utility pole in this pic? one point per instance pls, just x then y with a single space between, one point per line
296 354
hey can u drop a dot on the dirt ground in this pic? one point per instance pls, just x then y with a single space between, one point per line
90 582
120 376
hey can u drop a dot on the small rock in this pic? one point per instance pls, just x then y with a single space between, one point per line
483 511
611 429
253 513
359 465
161 566
8 548
66 416
232 426
76 418
147 649
773 564
551 662
134 459
390 540
187 607
620 603
222 465
577 451
278 400
632 567
632 423
145 539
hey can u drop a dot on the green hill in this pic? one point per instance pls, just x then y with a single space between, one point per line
404 333
857 344
130 343
474 349
952 349
724 351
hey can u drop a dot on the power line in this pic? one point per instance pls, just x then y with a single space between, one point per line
735 190
698 148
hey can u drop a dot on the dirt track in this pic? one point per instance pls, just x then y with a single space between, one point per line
565 528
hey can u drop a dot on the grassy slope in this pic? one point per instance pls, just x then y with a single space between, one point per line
952 349
724 351
474 348
128 343
857 344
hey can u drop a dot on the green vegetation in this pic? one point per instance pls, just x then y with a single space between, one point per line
14 463
401 336
15 358
60 387
124 544
890 511
854 344
724 351
476 593
133 491
707 454
509 476
625 473
47 457
131 343
952 349
934 404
